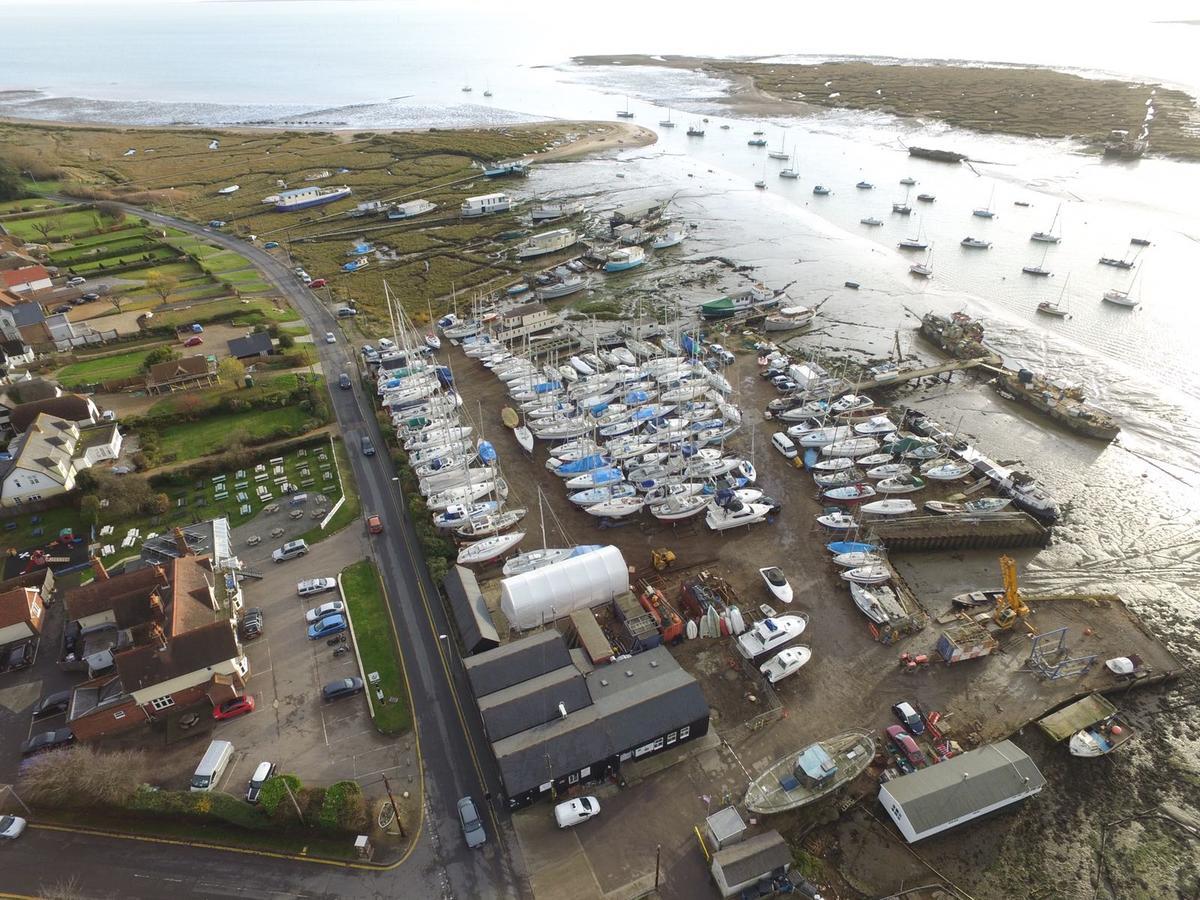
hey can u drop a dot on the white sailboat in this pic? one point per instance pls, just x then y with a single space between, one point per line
1124 298
1057 308
1048 236
987 212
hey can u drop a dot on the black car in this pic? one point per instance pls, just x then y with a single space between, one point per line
344 381
90 296
52 705
63 308
47 740
343 687
252 624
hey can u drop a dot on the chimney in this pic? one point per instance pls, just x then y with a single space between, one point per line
181 542
99 570
162 576
157 634
157 610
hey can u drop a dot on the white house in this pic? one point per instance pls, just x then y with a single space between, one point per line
47 458
960 789
25 279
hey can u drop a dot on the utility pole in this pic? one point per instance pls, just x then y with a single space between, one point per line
657 861
287 787
395 808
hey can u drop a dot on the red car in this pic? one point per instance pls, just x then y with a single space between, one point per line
317 283
231 709
193 341
906 745
374 525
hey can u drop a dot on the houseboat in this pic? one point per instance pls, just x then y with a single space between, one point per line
303 198
547 242
486 205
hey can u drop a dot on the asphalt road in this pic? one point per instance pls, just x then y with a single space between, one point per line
454 753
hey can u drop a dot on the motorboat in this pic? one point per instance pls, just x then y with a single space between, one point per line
777 583
489 548
786 662
851 493
821 191
865 186
849 403
876 425
901 484
873 574
616 507
879 604
908 181
871 221
889 507
455 515
976 243
947 471
926 198
624 258
771 634
838 520
734 514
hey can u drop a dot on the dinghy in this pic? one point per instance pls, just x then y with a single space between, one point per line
777 583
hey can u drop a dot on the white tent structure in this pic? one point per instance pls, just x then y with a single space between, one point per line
551 592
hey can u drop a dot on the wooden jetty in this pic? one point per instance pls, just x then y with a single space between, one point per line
960 532
956 365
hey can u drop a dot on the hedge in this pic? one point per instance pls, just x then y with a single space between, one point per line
344 808
274 792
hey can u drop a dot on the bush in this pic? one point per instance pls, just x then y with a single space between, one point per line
344 809
158 355
274 792
81 776
201 805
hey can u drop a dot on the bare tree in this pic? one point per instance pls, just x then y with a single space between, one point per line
81 776
116 299
163 285
44 227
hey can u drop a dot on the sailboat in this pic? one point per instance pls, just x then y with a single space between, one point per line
781 153
791 170
986 212
925 269
667 123
1040 268
1048 237
913 243
1123 298
1056 308
903 208
625 113
761 184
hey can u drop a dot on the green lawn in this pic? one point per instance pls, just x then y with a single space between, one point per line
29 204
225 261
108 263
120 234
50 522
181 270
377 646
65 225
246 312
108 368
349 511
191 440
132 246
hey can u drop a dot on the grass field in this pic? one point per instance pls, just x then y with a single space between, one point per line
224 261
100 265
192 440
109 368
240 312
118 234
65 225
28 204
377 646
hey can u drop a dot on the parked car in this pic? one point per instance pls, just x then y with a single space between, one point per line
75 280
231 709
330 337
374 525
20 657
11 827
216 223
52 705
346 312
290 550
781 442
334 624
344 381
310 586
575 811
252 624
343 687
909 717
90 297
62 308
906 745
254 788
471 825
332 608
47 740
317 283
193 341
270 245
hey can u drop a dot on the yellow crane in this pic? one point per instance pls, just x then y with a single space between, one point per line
1010 606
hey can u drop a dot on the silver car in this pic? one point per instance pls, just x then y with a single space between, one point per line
471 825
325 609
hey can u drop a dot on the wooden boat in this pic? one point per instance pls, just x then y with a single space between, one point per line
816 771
786 662
777 583
942 508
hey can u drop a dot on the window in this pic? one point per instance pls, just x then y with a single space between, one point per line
119 714
161 703
545 787
649 748
573 778
684 732
672 737
585 771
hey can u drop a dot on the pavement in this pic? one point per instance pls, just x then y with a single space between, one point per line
454 758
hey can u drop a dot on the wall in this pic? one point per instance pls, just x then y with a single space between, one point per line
20 484
108 721
199 678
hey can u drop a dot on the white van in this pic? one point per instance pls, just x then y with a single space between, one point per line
212 766
783 444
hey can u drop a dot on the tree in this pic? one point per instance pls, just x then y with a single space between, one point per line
116 299
82 776
10 182
158 355
232 370
162 284
44 227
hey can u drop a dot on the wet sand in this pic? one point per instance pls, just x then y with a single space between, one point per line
1017 100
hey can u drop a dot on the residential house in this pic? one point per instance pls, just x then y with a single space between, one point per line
525 320
14 354
70 407
182 374
25 278
24 322
555 722
47 458
22 611
960 789
154 640
257 343
753 861
23 389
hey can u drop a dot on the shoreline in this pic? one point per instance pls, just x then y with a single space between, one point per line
1023 101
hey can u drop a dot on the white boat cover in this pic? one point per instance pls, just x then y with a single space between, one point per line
543 595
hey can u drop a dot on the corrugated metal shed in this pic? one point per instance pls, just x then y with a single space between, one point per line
1079 715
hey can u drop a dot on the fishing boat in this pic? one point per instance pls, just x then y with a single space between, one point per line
1048 236
976 243
555 210
890 507
777 583
547 242
873 574
771 634
816 771
947 471
871 220
879 604
673 236
694 130
616 507
786 662
488 549
624 258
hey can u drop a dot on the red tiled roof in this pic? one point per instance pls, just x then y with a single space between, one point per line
24 275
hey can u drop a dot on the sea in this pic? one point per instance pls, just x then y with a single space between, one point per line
1131 508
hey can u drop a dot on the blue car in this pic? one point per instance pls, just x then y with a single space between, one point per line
327 626
270 245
